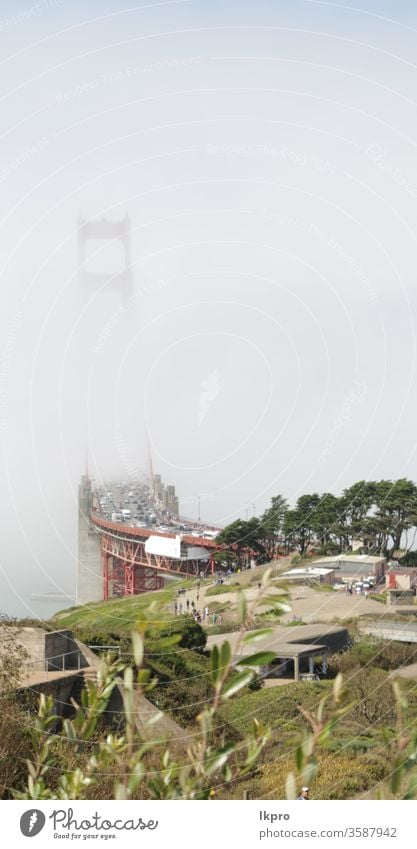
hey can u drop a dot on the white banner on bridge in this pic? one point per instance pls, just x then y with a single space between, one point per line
218 824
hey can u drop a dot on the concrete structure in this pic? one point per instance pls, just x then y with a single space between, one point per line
51 651
300 645
399 632
89 586
293 653
396 597
165 496
63 676
62 652
172 504
398 578
354 567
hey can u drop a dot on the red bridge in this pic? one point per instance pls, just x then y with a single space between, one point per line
129 569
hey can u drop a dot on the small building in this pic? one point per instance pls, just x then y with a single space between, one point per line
296 649
354 567
399 578
316 573
395 597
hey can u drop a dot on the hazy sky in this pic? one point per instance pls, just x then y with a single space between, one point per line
266 154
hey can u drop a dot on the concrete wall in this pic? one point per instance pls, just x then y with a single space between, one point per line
398 597
62 652
62 691
402 580
334 641
89 567
402 632
33 641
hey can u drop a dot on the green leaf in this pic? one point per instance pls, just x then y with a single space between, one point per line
137 645
218 760
143 677
241 680
309 773
242 607
254 636
396 776
260 658
338 687
215 660
225 655
299 758
290 786
266 576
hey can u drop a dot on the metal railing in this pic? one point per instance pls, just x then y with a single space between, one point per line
63 662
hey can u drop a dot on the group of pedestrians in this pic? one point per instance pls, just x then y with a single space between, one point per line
189 605
199 616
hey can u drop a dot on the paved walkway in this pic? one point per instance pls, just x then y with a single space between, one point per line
35 678
311 605
308 604
409 671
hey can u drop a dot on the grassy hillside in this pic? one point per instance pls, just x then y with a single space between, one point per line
120 613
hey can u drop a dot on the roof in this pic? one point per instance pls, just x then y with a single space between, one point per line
351 558
402 570
294 649
279 640
309 570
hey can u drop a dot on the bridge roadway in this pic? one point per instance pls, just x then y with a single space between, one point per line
127 531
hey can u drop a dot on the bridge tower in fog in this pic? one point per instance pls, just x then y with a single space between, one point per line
105 230
90 566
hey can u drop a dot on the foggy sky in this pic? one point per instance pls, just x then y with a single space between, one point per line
266 154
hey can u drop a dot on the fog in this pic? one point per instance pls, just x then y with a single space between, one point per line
266 155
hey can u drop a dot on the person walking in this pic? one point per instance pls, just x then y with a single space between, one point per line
175 608
188 604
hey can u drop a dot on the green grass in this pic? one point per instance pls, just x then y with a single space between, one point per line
294 623
120 614
274 706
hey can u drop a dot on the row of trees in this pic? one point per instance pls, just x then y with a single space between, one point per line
381 514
